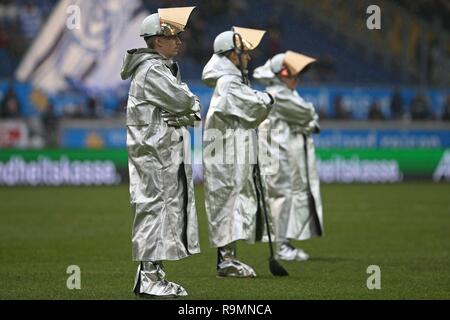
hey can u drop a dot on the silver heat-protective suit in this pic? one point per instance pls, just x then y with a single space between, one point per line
229 153
291 120
161 188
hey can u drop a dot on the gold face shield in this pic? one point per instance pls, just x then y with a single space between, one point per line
296 62
174 20
250 37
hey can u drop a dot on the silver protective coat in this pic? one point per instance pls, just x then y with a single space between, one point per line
235 112
290 121
161 188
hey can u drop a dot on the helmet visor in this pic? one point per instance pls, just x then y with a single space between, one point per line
174 20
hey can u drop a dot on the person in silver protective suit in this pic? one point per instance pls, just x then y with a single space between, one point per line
234 113
159 109
293 192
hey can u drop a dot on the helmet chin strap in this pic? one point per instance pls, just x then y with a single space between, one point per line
239 49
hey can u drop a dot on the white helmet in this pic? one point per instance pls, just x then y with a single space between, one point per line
276 63
224 42
167 22
250 39
151 26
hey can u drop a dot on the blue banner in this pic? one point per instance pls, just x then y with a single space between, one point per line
327 139
382 139
101 138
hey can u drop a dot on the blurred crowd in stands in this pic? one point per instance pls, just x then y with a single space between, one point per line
20 22
199 40
435 11
419 109
428 36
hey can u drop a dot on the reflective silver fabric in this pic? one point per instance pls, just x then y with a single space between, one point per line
229 266
226 252
150 280
234 113
286 190
161 187
155 86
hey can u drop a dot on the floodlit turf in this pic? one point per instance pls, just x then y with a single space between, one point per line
403 228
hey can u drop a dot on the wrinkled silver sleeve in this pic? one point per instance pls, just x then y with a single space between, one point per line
163 90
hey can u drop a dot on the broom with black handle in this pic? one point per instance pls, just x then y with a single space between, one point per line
311 200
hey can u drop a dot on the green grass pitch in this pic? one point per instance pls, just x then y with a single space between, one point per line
402 228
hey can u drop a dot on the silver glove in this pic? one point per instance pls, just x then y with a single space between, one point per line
177 120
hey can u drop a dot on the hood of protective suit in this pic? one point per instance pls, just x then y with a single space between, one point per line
134 58
218 66
265 75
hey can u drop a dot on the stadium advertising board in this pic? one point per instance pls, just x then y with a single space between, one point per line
61 167
109 166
